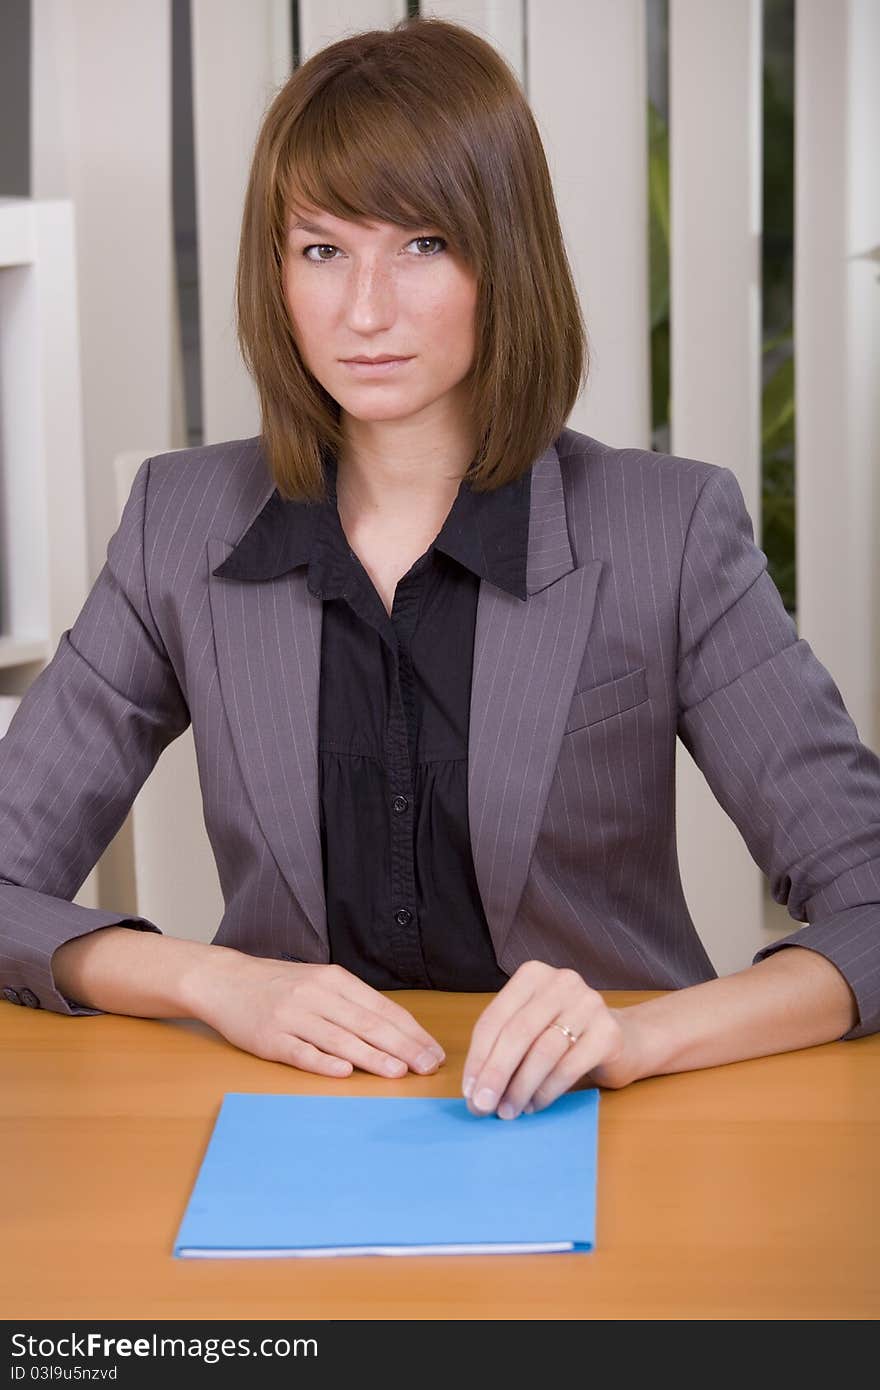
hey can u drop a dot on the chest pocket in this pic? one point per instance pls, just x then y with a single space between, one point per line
608 699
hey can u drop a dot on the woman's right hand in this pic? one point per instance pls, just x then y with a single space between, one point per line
320 1018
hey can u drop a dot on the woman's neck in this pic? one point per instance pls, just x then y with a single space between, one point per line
376 486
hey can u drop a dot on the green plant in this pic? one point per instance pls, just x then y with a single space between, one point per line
777 527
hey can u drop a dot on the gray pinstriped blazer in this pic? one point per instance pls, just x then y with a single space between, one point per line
650 614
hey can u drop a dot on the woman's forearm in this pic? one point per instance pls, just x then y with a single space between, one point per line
124 971
794 998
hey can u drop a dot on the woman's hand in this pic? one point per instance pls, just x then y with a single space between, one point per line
320 1018
517 1059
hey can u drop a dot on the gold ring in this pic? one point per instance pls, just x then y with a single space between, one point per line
572 1037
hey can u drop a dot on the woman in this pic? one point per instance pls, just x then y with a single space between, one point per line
436 649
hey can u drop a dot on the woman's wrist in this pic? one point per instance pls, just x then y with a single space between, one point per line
201 974
122 970
793 999
642 1045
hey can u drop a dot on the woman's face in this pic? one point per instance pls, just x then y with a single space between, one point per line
375 290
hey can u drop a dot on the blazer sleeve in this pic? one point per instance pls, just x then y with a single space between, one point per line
765 722
80 745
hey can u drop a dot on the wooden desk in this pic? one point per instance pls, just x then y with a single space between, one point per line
744 1191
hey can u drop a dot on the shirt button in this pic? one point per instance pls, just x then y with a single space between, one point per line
12 995
400 803
403 917
29 999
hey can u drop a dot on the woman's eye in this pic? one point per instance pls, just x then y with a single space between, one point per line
428 238
319 259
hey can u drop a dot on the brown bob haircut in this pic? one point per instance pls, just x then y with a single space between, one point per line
420 124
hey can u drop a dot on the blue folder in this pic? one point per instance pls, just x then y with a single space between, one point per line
291 1175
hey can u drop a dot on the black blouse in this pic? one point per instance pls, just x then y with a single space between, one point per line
403 907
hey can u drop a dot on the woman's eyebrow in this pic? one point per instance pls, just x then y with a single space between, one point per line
314 230
308 227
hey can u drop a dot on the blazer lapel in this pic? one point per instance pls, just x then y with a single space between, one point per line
526 660
268 639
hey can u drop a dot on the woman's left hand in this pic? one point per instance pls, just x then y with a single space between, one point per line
517 1059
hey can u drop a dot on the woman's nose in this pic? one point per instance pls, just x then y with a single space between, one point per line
372 296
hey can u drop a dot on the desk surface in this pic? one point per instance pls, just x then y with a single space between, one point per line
743 1191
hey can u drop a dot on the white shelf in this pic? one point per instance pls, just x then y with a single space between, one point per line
43 565
21 651
43 562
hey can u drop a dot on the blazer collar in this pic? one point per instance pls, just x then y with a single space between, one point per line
488 532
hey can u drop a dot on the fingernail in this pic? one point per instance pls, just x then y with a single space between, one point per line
427 1061
467 1087
486 1099
506 1111
528 1109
